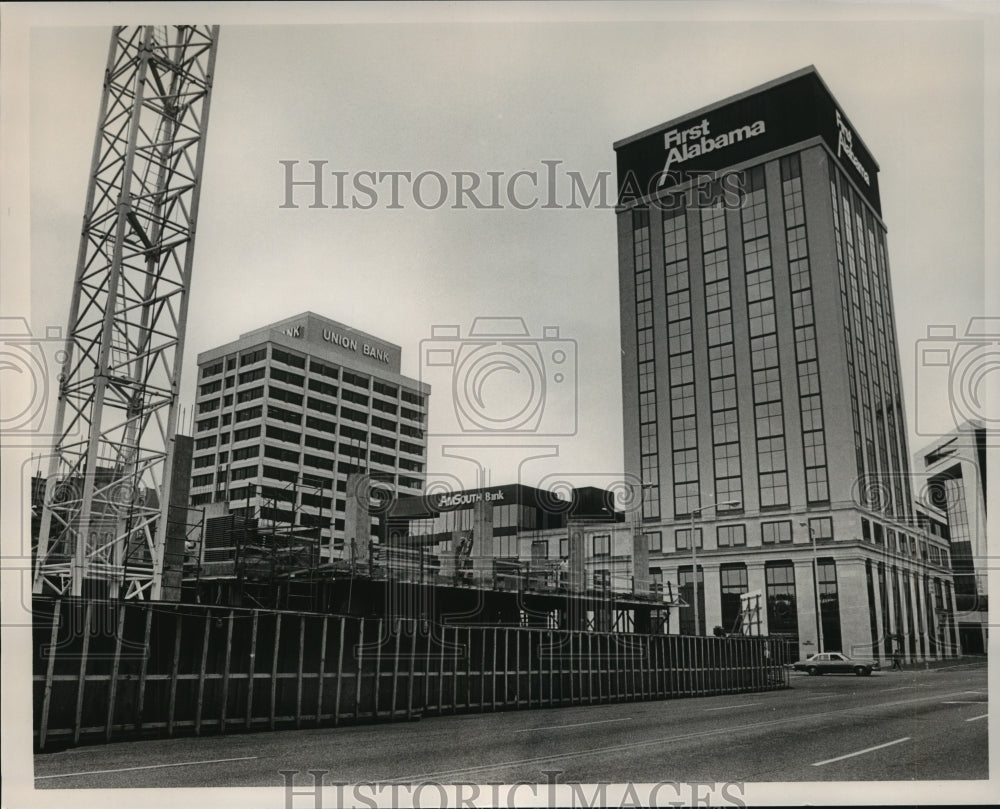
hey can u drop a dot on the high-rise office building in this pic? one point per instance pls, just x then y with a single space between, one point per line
286 412
762 401
953 472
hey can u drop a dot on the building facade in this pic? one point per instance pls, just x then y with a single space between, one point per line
287 412
761 390
501 527
953 476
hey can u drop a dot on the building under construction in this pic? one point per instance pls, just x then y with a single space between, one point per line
509 555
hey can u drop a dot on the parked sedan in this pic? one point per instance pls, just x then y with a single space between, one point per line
835 663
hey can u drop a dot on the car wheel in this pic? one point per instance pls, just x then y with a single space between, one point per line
868 672
813 671
860 671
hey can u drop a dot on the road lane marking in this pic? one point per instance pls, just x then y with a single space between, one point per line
146 767
966 702
727 707
499 765
977 717
861 752
575 725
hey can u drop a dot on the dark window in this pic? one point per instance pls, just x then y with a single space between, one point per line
685 586
782 613
733 579
829 605
288 359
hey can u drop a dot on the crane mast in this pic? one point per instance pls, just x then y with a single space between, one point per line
107 502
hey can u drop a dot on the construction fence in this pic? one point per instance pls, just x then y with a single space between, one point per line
114 670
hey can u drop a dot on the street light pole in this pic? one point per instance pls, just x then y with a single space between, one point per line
815 567
694 569
694 553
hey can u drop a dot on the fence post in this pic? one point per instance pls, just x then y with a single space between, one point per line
395 667
201 674
225 673
340 673
321 673
252 667
298 677
173 674
113 684
444 643
274 667
49 671
378 667
143 668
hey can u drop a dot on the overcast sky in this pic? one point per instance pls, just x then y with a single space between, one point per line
486 97
495 97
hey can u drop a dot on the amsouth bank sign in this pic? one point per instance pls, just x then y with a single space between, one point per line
787 113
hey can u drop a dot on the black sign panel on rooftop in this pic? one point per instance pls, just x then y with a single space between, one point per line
774 118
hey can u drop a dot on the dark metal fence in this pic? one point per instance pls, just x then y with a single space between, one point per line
108 671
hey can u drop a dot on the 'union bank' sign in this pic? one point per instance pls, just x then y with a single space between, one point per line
774 118
345 341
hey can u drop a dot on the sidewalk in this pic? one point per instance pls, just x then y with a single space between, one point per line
966 661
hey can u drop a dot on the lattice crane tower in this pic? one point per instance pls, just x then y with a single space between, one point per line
105 513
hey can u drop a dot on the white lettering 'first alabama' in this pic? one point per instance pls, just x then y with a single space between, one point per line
684 144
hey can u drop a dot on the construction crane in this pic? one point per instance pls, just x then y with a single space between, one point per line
106 511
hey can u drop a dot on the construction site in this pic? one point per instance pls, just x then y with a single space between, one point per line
155 617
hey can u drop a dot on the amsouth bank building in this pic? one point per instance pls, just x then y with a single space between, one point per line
761 380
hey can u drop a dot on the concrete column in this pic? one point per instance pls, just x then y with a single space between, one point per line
920 617
902 641
577 558
482 539
805 597
357 519
640 561
855 618
177 527
933 632
883 617
949 595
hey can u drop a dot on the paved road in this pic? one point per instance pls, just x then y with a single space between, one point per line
893 726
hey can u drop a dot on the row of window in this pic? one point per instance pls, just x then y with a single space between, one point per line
649 459
255 355
772 471
807 364
256 472
680 352
721 359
